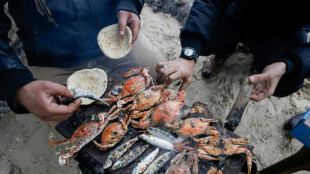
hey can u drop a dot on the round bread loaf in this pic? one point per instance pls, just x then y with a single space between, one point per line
112 44
94 80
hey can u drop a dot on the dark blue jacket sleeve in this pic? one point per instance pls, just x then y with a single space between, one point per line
298 62
134 6
202 19
13 74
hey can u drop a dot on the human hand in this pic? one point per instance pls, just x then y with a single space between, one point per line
37 98
130 18
176 69
267 81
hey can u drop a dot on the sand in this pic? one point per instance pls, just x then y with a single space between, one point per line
24 147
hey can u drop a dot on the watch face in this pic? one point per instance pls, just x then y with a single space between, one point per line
188 52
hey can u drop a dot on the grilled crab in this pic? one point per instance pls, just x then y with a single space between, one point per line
214 149
113 133
143 101
169 111
179 165
148 98
166 112
144 104
81 137
193 127
140 81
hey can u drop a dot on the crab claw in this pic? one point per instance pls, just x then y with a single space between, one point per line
137 71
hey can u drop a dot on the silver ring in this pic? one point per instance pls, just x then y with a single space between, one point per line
164 67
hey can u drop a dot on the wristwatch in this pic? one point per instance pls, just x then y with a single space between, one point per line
189 53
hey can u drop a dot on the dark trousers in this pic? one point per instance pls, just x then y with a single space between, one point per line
266 44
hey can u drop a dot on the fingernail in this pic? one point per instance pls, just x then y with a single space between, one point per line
252 78
71 93
121 33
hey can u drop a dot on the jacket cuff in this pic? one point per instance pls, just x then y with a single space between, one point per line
289 66
134 6
191 40
13 80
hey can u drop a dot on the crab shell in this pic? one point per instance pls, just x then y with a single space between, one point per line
213 148
148 98
222 146
80 138
193 126
169 111
134 85
84 134
113 134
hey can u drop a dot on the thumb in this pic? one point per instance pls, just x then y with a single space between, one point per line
58 89
122 22
258 78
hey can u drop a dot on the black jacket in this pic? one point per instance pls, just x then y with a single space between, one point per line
69 41
265 15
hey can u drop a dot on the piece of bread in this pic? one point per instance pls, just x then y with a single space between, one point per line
112 44
94 80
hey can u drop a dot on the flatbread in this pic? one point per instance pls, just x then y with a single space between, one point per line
112 44
94 80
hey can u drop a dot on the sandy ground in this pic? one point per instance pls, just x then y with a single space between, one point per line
24 147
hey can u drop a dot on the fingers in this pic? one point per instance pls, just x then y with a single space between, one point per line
168 75
58 99
168 72
185 84
259 78
55 89
164 73
159 77
266 83
63 112
53 111
175 76
159 66
171 78
260 92
127 17
134 22
122 17
37 98
135 28
73 106
258 97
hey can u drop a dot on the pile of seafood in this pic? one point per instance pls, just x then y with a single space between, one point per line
161 124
